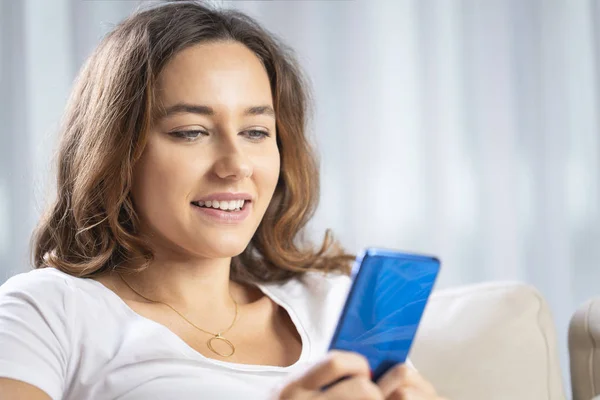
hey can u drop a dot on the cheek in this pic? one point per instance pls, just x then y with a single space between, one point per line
267 168
161 182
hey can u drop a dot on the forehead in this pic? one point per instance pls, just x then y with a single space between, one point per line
217 73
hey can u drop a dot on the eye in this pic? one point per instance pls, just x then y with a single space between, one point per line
188 135
256 134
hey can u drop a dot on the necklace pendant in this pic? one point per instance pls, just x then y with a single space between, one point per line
218 336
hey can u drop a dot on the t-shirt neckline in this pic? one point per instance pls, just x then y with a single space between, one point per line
267 289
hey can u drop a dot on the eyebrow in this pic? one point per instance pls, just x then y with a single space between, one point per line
198 109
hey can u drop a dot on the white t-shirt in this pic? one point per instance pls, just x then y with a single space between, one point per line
77 340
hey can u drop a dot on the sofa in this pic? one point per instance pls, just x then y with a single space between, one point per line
495 341
584 350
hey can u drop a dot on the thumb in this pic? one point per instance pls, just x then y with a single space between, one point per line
297 372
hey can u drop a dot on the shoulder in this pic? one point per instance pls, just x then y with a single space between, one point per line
48 294
314 288
317 300
39 297
318 283
329 285
43 283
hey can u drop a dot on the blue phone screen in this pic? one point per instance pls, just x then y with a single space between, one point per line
384 307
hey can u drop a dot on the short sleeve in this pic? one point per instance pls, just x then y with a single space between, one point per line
35 318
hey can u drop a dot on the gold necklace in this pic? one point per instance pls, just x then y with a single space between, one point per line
215 336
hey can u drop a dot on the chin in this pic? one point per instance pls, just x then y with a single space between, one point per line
216 248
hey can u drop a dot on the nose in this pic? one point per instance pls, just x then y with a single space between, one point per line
232 163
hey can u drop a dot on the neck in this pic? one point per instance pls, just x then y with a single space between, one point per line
188 285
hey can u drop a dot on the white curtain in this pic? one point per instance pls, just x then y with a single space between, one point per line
462 128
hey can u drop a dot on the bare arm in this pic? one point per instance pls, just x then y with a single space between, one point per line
18 390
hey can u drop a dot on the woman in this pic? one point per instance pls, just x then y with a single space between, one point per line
171 264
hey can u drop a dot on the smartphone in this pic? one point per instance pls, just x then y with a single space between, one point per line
384 306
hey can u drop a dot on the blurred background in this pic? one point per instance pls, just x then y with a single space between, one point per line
467 129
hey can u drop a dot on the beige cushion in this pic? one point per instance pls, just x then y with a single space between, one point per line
584 350
489 341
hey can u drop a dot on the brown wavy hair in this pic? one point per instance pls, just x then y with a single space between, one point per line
93 225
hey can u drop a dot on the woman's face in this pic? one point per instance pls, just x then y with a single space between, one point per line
214 149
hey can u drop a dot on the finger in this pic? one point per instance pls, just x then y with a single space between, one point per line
409 393
337 365
404 376
355 388
293 391
418 381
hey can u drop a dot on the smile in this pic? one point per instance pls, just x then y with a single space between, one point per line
225 205
226 212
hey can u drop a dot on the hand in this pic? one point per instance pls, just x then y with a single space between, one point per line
400 383
404 383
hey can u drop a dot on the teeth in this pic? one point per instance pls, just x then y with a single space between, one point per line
223 205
